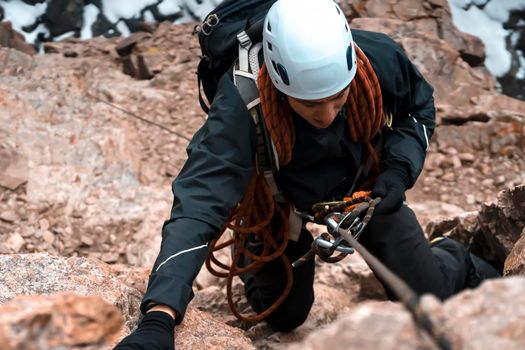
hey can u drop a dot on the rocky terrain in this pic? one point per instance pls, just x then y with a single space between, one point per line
42 21
93 132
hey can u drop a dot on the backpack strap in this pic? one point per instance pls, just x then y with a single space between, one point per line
203 104
245 74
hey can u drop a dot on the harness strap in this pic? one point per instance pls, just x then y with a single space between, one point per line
245 76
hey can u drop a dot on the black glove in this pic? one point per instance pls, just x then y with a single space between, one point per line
390 186
156 331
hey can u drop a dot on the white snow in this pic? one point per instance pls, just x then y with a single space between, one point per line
459 3
185 18
89 17
123 28
169 7
521 72
117 9
487 25
499 10
31 37
65 36
21 14
201 10
480 2
148 16
514 37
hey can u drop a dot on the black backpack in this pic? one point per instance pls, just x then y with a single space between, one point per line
231 33
219 42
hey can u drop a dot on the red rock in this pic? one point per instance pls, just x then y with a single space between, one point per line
61 320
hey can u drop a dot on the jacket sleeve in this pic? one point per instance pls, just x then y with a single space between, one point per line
210 184
409 99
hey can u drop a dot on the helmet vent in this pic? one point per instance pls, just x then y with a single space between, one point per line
283 74
349 61
270 46
275 67
346 26
337 8
269 27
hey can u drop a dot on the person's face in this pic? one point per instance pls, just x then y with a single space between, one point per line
320 113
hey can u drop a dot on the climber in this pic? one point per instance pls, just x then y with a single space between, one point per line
332 99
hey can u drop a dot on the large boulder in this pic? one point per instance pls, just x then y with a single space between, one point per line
515 263
12 39
491 233
58 321
86 190
490 317
462 93
42 273
40 292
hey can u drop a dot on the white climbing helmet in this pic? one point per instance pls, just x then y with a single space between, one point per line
308 48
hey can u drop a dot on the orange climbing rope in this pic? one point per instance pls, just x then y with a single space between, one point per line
254 213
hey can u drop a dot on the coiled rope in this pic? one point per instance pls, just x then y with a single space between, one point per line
254 213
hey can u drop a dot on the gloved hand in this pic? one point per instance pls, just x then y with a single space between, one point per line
390 186
155 332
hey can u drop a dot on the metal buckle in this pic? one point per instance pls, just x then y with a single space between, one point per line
244 40
211 21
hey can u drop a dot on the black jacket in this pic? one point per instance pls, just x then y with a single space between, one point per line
221 162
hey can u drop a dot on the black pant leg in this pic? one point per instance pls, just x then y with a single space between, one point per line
265 286
398 241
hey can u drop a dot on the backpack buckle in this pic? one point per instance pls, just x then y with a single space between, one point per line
206 28
244 40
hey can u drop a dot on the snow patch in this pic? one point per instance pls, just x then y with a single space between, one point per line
202 9
148 16
32 37
460 3
487 25
500 10
169 7
65 36
90 15
123 28
21 14
117 9
520 74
